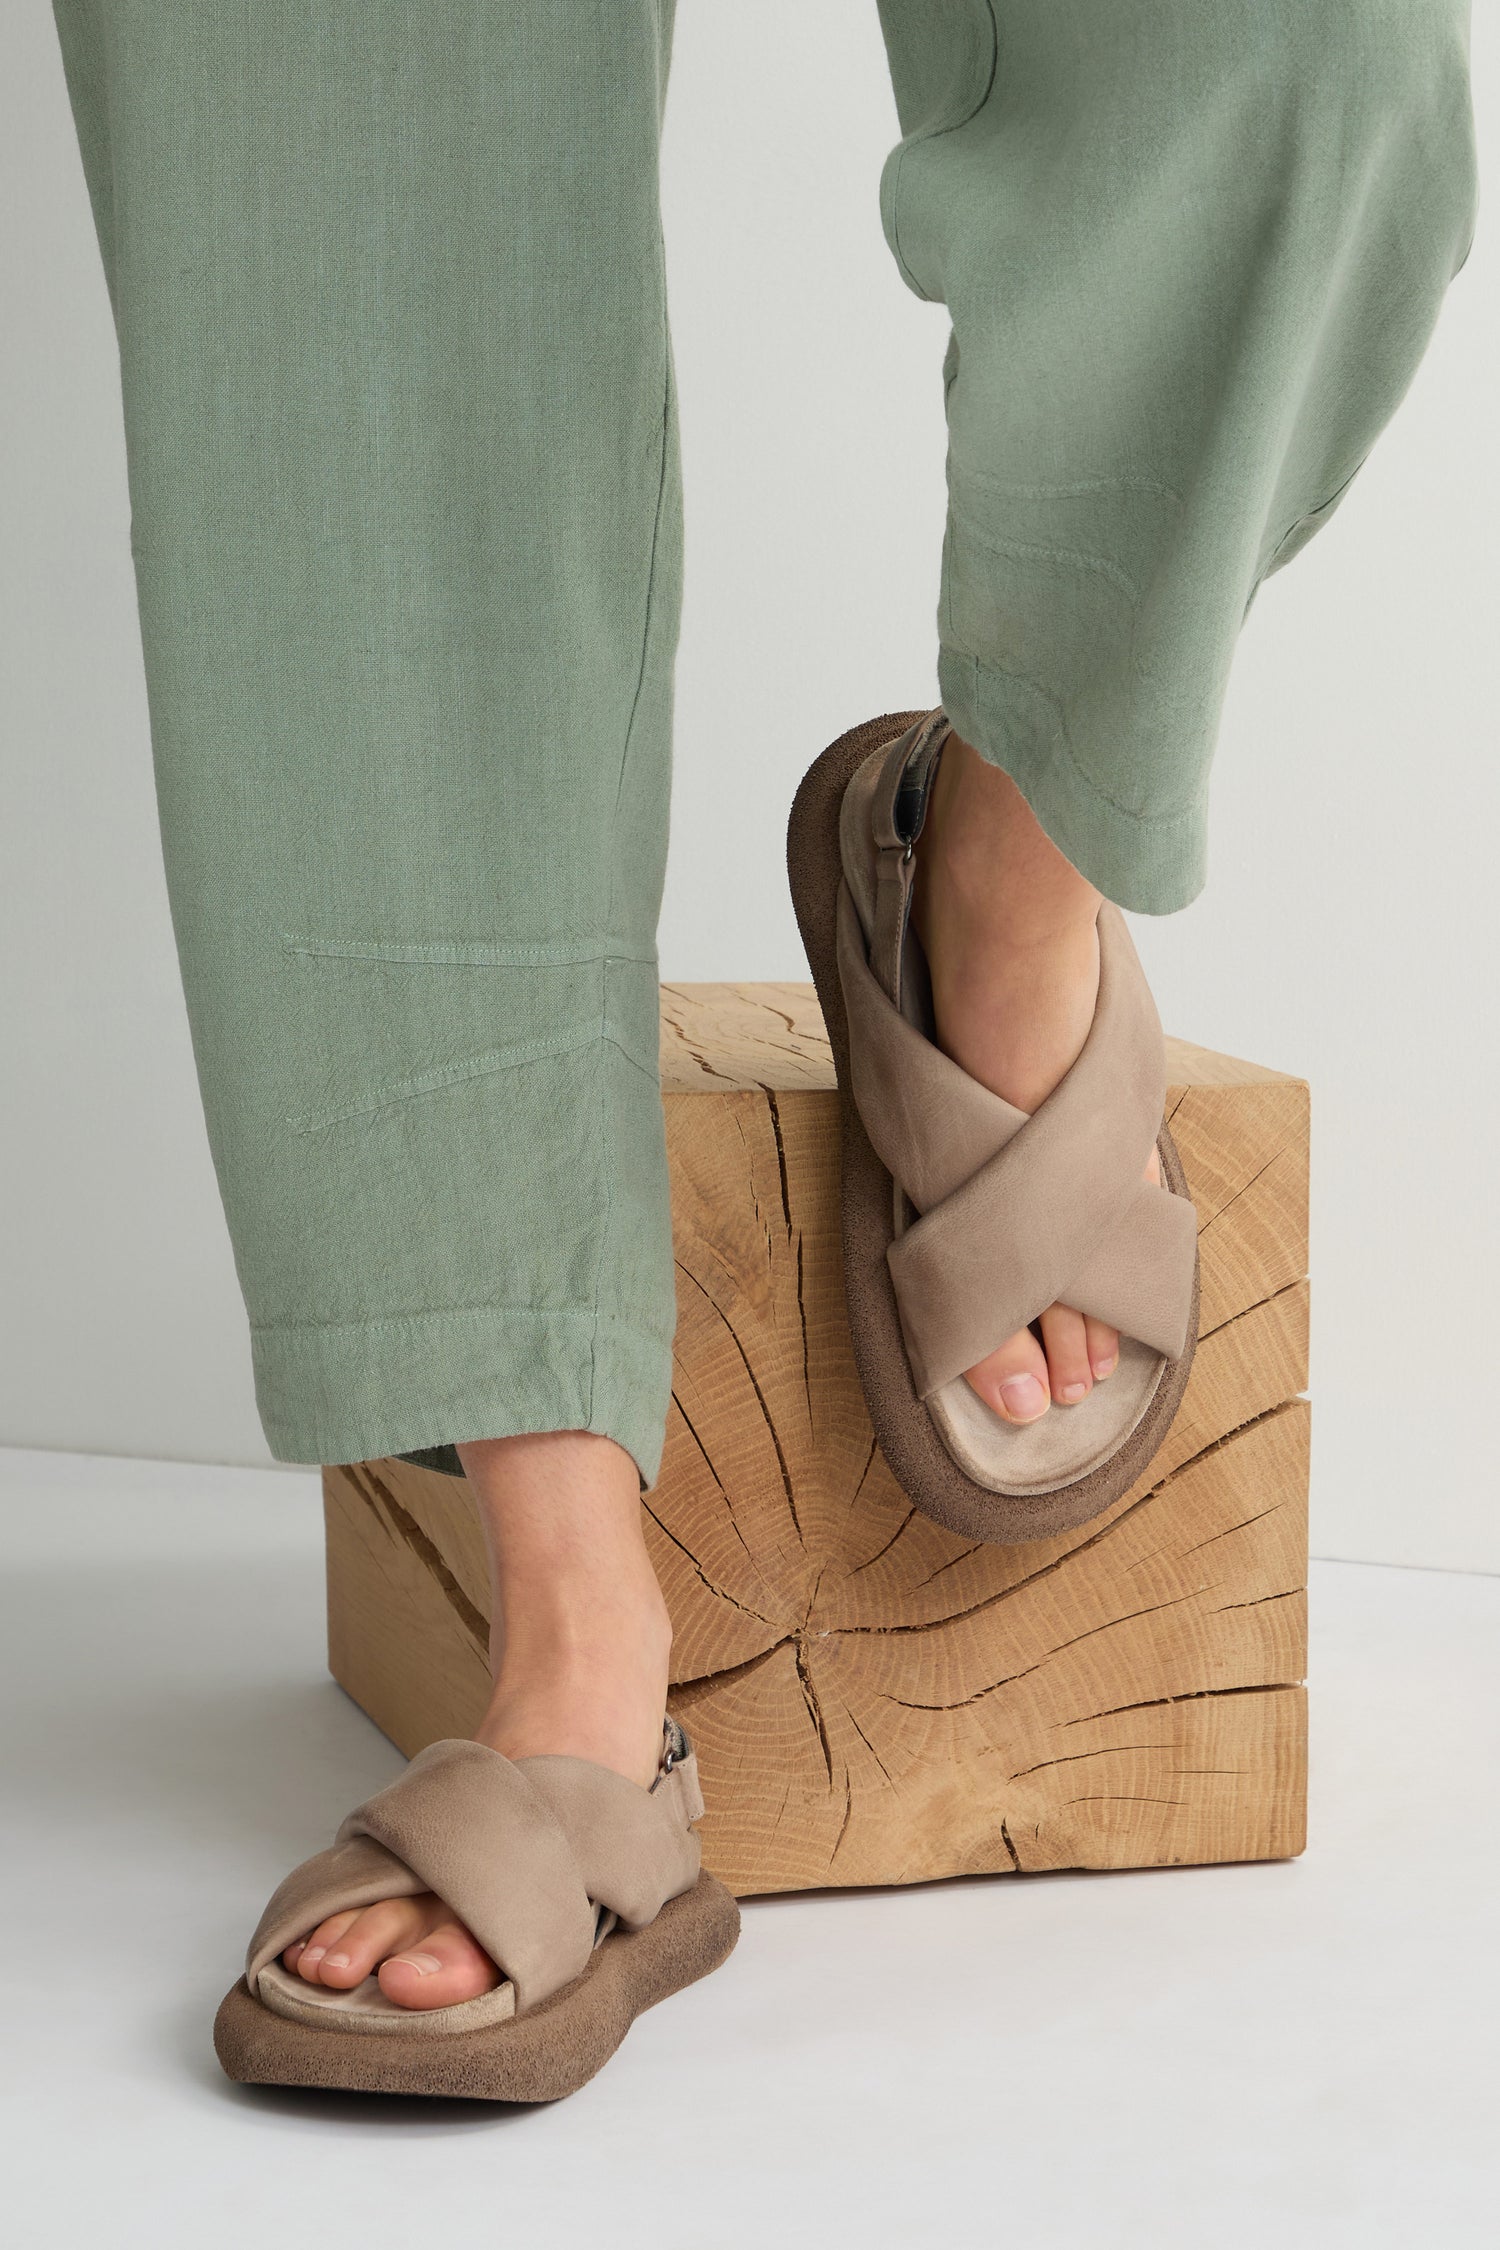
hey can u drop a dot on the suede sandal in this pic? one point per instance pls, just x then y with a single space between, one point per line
585 1891
963 1217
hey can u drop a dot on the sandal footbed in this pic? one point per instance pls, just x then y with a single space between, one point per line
546 2052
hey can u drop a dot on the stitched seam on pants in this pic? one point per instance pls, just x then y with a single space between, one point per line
480 955
448 1074
661 496
1311 515
605 1169
1189 812
576 1314
651 1076
1070 558
1079 489
647 624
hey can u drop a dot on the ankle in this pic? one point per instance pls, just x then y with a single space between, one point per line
565 1629
594 1690
1010 931
987 868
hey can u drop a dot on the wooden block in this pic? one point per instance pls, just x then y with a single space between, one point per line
875 1700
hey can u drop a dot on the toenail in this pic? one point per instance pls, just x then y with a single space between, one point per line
1105 1367
337 1961
1024 1397
425 1964
312 1953
1073 1392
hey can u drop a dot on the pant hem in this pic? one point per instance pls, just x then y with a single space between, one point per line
362 1390
1149 863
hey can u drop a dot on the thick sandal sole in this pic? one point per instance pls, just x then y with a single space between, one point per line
549 2051
904 1430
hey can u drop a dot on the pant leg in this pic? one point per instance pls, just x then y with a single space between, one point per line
388 287
1193 252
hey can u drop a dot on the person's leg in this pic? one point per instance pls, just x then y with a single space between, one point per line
389 294
579 1642
1193 253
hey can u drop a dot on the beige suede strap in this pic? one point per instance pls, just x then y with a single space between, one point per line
529 1856
1015 1212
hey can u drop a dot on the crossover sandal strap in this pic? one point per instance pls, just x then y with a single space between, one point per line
632 1855
1017 1212
528 1855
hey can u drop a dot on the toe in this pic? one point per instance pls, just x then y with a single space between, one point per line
1103 1348
307 1956
343 1950
1065 1341
446 1966
372 1934
1013 1380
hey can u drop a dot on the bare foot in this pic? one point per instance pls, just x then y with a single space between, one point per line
579 1649
1010 931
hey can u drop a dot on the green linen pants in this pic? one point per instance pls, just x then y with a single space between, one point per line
388 285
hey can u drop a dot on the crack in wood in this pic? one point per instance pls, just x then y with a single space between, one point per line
1144 1562
760 1397
802 1318
1188 1695
1109 1800
703 1684
869 1745
844 1823
863 1479
1109 1750
814 1707
804 1046
1217 1445
951 1564
1259 1174
689 1426
1005 1593
1013 1855
694 1053
1083 1546
378 1495
786 1193
730 1272
722 1592
1291 1594
870 1562
739 1127
1244 1312
1231 1529
1131 1617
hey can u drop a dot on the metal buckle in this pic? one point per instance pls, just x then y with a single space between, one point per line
674 1751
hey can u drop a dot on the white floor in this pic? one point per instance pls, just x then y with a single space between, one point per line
1290 2056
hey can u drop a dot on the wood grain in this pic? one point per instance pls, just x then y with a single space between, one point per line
875 1700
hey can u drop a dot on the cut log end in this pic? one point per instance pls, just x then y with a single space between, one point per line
873 1699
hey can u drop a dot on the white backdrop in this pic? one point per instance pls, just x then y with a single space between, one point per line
1347 932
